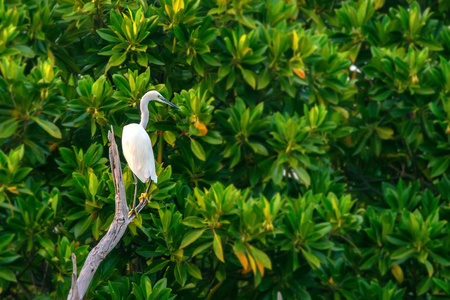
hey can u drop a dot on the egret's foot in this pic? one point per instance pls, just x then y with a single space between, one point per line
143 196
131 212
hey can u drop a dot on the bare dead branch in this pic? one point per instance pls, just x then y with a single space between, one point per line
115 231
74 277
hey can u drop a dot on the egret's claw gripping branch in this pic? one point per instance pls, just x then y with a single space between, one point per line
138 209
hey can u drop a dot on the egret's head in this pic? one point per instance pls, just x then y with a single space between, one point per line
156 96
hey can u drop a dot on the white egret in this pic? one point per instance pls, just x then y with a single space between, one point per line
137 147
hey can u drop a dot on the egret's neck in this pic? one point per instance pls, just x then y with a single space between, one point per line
144 112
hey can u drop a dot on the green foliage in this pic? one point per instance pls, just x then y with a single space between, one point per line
309 158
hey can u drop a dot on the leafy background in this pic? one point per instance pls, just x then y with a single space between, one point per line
310 158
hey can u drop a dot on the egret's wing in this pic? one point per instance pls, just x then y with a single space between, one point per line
137 149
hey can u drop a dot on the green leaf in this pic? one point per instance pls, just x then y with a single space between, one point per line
263 79
303 175
311 258
107 35
122 83
369 262
201 248
180 273
262 257
51 128
402 254
198 150
158 265
166 220
142 59
384 133
217 245
170 137
82 226
424 285
198 67
442 284
147 286
48 245
95 228
7 275
154 60
5 240
8 128
93 183
259 148
194 222
249 77
439 165
179 33
213 138
430 268
436 110
440 260
21 173
210 60
117 59
25 51
145 252
191 237
194 271
224 70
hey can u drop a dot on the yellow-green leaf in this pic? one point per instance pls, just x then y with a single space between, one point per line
198 150
261 257
7 274
51 128
249 77
217 245
311 258
191 237
384 133
398 273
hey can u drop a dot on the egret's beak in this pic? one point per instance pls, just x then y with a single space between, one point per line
164 100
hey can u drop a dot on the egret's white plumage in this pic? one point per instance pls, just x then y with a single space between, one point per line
137 147
139 155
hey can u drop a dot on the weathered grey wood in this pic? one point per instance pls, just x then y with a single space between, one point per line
115 231
74 277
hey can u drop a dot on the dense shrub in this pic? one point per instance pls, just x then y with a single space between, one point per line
310 157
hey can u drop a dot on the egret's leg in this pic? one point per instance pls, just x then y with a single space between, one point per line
135 194
148 187
135 191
